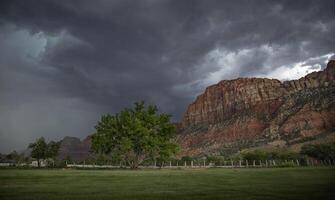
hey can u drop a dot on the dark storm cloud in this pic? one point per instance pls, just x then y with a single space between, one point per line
63 63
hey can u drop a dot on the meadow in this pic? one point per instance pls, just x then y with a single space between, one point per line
264 183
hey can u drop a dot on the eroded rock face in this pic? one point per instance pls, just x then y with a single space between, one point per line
246 112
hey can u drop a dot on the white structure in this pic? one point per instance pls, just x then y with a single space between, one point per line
34 163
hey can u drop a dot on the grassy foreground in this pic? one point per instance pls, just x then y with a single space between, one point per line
280 183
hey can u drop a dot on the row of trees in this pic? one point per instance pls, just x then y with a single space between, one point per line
133 136
142 135
316 151
319 151
14 156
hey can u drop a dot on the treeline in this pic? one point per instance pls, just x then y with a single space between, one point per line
41 151
14 157
142 135
133 136
321 152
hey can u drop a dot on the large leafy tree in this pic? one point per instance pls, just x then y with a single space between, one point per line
43 150
38 149
52 150
135 135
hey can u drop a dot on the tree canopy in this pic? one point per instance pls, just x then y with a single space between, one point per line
42 150
135 135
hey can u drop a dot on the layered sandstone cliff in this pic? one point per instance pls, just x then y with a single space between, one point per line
249 112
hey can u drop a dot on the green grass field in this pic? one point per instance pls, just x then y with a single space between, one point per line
279 183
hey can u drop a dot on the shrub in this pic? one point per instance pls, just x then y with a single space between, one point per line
216 160
270 155
285 164
319 151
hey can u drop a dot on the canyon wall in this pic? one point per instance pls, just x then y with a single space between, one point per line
250 112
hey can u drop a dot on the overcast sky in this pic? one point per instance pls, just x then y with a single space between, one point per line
64 63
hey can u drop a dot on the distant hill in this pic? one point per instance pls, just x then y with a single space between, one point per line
74 149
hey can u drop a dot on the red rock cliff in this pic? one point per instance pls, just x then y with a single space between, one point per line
247 112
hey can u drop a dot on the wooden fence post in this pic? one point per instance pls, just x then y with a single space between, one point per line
192 164
247 164
266 163
185 163
260 163
231 162
298 163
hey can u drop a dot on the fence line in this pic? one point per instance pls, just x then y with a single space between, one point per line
201 164
220 164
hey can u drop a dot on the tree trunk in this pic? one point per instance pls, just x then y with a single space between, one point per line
134 160
133 164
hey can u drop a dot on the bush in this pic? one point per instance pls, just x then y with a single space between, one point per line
187 158
216 160
270 155
286 164
319 151
255 155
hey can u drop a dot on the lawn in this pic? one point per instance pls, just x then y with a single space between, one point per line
279 183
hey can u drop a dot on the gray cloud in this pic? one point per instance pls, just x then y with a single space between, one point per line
64 63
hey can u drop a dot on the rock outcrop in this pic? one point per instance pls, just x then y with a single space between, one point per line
250 112
71 148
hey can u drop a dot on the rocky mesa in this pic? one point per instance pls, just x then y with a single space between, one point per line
256 112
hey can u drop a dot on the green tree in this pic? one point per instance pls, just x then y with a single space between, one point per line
43 150
14 156
39 149
52 150
319 151
135 135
